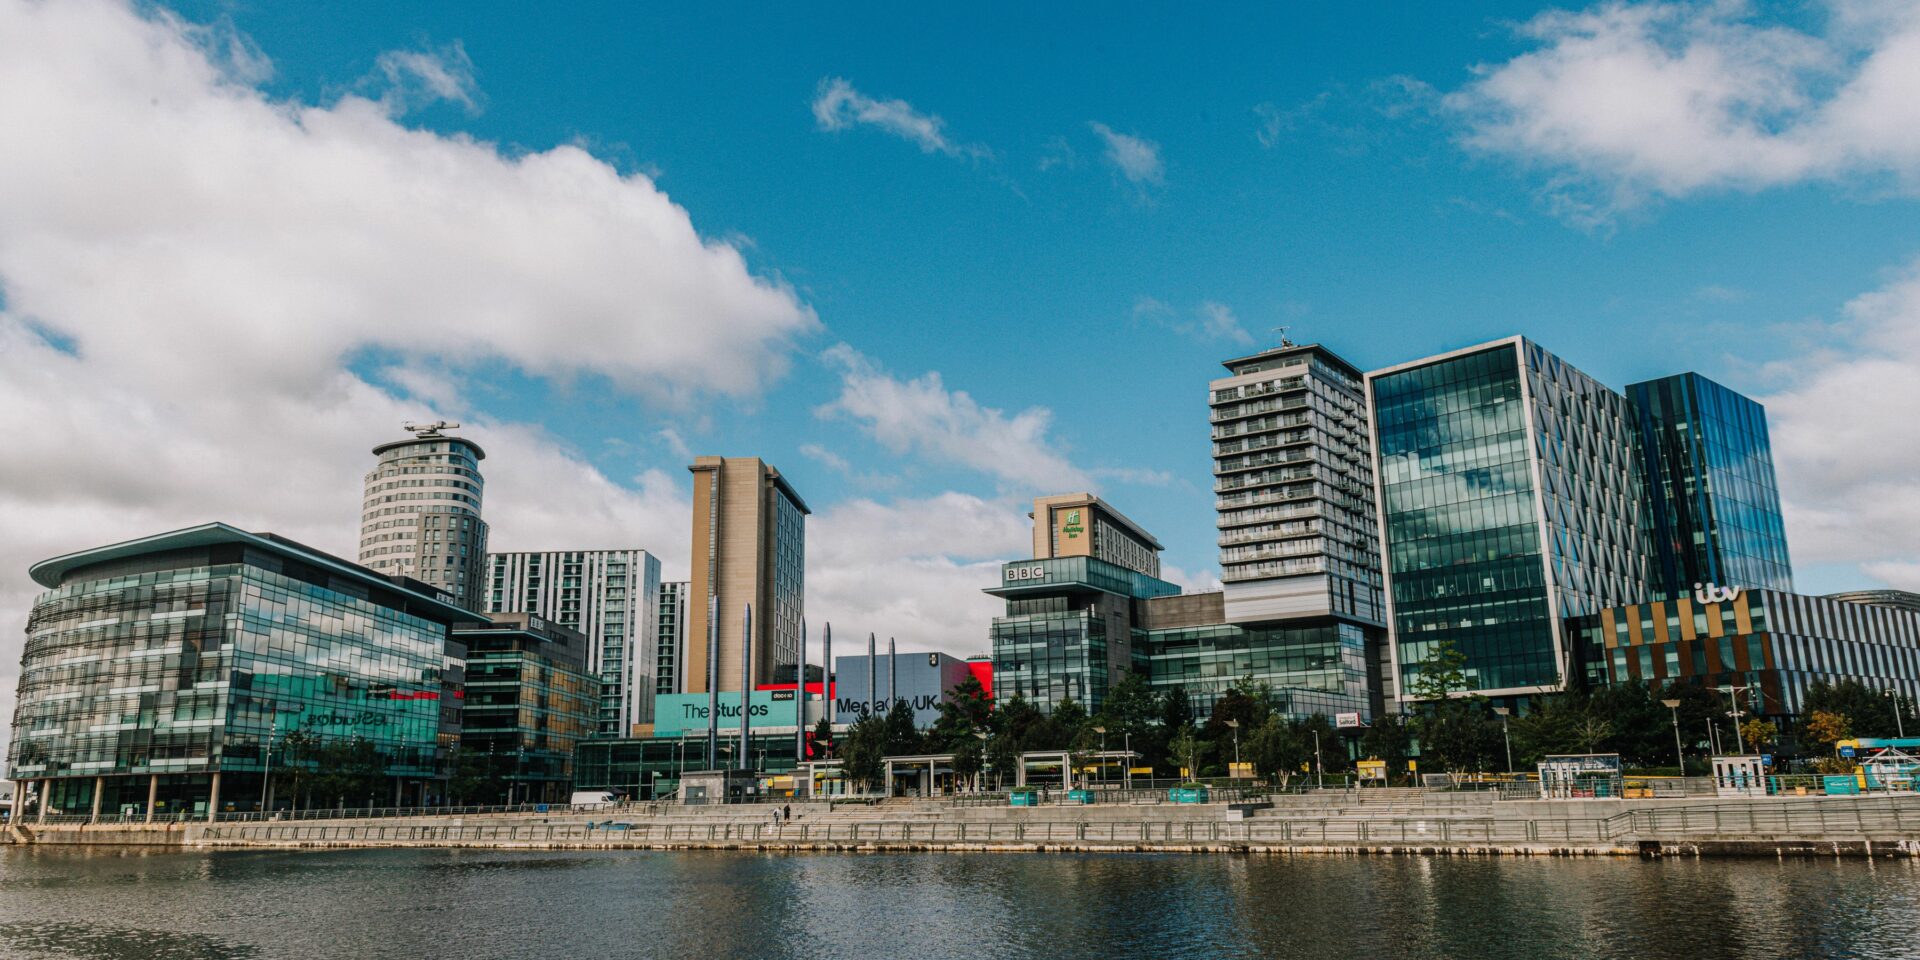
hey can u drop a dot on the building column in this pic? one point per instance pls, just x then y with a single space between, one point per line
99 783
153 794
213 799
46 793
19 801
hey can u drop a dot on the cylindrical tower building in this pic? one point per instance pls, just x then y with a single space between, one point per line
420 514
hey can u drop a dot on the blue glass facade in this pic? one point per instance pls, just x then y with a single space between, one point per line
150 672
1509 500
1714 507
1068 630
1312 667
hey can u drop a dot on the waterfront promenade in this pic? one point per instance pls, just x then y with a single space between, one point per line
1403 822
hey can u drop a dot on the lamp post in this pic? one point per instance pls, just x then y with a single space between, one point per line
1899 723
1102 731
1235 724
1679 755
980 777
1733 697
1505 735
266 772
1319 780
1126 775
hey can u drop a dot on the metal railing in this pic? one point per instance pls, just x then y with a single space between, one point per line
1813 819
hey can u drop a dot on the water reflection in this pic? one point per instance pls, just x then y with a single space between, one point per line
481 904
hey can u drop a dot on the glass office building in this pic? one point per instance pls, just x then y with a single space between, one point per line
1713 505
160 674
529 701
1510 499
1318 666
1068 630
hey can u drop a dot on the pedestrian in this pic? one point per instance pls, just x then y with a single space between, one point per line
786 812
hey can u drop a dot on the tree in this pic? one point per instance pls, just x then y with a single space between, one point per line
1278 747
1132 715
1188 751
1824 729
1869 712
903 737
1442 674
1759 734
1389 739
862 750
1592 730
1012 725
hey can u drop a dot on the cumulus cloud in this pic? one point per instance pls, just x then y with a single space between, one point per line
923 416
837 106
1627 102
935 555
189 267
1846 442
1136 158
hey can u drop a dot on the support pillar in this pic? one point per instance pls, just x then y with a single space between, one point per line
99 784
153 794
213 799
46 794
19 801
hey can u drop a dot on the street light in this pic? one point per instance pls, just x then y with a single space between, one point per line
1679 756
1504 735
1102 731
1126 742
1235 724
1733 692
980 777
1899 724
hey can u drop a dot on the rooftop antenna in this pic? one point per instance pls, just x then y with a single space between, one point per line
428 431
1282 331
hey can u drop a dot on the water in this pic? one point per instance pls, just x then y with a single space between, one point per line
422 904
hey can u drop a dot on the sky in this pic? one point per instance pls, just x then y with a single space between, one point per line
930 264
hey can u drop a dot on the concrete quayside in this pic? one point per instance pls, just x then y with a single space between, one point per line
1329 822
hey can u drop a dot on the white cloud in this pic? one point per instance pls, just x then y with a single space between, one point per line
675 444
1137 158
418 77
826 458
1210 321
935 555
1626 102
1846 442
187 266
922 416
837 106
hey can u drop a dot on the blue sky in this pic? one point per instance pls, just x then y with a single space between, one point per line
1361 220
937 263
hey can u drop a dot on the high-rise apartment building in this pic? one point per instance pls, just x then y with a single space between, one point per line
420 512
1293 480
1714 507
749 547
670 637
1510 498
609 596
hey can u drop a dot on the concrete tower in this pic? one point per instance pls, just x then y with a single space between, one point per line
420 512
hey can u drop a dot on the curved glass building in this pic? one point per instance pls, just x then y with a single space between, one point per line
167 676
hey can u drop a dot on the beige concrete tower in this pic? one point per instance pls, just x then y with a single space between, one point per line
749 547
420 512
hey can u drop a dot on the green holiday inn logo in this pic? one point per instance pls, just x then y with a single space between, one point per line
1073 527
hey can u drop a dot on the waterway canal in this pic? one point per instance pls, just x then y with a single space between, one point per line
423 904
